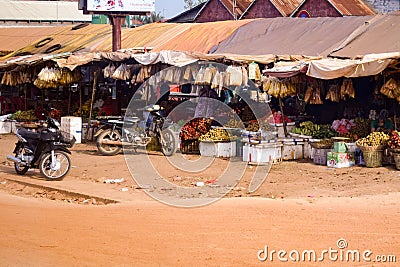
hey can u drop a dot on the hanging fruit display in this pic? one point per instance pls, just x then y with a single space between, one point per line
333 93
54 77
313 96
277 88
14 78
347 89
391 89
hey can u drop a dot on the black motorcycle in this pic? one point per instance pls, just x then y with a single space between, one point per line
116 132
46 150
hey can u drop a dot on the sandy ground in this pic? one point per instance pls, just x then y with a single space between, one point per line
301 206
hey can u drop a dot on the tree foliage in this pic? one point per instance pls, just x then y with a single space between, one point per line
192 3
154 17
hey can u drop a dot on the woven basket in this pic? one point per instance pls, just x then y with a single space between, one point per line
394 150
373 158
318 145
370 148
396 157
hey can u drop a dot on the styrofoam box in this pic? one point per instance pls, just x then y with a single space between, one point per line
279 128
292 150
72 125
262 153
218 149
308 149
8 127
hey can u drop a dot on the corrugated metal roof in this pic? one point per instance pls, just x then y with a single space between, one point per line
286 7
352 7
42 11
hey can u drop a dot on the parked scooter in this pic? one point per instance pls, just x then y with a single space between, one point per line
126 131
46 150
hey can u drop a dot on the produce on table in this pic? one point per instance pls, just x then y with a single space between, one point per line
263 125
374 139
217 135
253 126
323 144
309 128
195 128
28 115
342 126
232 123
360 129
394 140
277 118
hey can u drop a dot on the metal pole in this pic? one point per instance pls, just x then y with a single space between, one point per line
116 22
91 103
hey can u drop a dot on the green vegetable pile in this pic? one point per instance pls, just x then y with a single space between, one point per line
309 128
28 115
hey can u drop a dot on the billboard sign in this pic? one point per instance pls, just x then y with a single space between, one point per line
121 5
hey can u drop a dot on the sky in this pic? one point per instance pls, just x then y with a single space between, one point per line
169 8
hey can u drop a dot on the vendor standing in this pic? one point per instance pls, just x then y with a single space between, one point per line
382 123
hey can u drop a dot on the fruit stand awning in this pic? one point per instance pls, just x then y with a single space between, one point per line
291 36
378 35
197 37
331 68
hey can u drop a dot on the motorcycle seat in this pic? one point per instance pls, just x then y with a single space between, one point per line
28 134
132 119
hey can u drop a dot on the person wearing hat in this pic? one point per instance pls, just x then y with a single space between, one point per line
382 123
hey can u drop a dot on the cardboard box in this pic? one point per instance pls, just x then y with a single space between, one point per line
339 147
340 160
320 155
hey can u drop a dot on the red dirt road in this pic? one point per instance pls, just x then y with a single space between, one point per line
229 233
313 208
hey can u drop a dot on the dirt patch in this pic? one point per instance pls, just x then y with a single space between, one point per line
31 190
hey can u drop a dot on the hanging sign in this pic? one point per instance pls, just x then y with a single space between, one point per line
121 5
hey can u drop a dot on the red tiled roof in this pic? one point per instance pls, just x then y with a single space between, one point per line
286 7
241 5
352 7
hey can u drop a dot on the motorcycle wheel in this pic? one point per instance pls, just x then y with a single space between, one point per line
19 168
108 150
63 164
168 142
